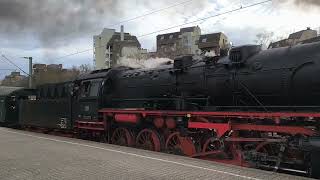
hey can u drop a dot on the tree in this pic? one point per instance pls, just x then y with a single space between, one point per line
85 68
264 39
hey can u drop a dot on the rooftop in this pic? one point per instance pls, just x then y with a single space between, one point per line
127 38
182 30
297 35
5 90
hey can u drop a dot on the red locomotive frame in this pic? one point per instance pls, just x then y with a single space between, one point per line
166 131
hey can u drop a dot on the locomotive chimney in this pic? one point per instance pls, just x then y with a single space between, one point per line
121 34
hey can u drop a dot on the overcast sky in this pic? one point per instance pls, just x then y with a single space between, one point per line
49 29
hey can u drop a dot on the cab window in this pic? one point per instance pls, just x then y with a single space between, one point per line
90 88
85 89
94 88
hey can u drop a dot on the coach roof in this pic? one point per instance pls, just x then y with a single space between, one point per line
6 90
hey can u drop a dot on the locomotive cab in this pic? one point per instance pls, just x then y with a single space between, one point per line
87 94
87 99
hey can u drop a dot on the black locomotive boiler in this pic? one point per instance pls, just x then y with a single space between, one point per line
252 108
249 79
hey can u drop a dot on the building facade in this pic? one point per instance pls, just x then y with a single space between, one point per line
110 45
311 40
215 43
122 45
15 79
99 43
52 73
295 38
175 44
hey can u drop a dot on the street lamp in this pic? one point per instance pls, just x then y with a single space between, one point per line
30 70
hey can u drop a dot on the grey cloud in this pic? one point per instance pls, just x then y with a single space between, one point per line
307 2
301 3
50 19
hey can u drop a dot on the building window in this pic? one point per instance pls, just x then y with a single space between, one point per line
204 40
189 40
171 36
224 41
162 37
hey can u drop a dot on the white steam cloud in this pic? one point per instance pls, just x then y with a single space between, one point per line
142 63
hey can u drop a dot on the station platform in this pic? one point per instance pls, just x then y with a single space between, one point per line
27 155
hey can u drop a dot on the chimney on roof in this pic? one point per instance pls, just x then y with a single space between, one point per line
121 33
308 28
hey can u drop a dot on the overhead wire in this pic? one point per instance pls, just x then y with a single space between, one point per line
125 20
205 18
11 62
171 27
152 12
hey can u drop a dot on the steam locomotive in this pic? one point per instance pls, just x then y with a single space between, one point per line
252 108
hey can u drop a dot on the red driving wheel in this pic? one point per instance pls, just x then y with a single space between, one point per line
212 144
122 137
179 145
149 139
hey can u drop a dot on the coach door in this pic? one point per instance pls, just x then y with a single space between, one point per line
2 110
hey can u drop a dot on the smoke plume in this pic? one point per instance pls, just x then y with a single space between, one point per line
144 64
307 2
51 20
301 3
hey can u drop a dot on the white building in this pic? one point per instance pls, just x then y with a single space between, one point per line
295 38
110 45
100 52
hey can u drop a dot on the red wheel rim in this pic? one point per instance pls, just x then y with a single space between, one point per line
179 145
212 144
148 139
122 137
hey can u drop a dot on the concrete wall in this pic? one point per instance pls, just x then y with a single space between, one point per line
182 43
291 41
189 41
100 49
307 34
130 51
